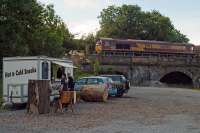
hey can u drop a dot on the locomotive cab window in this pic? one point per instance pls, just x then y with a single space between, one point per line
122 46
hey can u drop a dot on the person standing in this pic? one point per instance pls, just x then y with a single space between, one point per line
64 86
71 87
70 83
59 73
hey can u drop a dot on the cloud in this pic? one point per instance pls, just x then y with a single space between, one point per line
83 28
91 3
82 3
46 1
190 28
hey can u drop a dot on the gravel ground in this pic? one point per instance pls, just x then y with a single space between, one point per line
143 109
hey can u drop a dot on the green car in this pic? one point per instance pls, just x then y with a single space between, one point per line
119 82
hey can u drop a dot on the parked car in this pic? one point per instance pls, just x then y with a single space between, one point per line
120 83
96 80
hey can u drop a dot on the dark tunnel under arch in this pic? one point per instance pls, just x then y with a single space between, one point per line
177 78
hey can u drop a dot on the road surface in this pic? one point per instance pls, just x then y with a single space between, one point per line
142 110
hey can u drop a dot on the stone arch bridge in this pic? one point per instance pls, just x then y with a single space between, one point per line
143 70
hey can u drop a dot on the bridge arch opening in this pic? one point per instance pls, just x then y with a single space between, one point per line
177 78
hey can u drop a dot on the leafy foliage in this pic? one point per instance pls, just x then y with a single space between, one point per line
78 73
129 21
89 43
96 66
30 28
86 43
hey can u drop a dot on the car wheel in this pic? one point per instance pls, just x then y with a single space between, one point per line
120 94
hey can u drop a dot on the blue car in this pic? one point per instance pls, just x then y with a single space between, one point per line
120 83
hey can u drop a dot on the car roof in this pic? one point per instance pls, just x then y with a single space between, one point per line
112 75
93 77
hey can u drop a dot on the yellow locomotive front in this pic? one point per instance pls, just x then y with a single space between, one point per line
98 47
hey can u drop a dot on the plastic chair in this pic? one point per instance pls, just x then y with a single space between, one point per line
66 99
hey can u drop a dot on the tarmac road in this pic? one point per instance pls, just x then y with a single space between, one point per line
142 110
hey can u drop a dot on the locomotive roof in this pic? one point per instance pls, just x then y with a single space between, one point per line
129 41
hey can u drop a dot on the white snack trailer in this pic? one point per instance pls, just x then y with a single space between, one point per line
18 70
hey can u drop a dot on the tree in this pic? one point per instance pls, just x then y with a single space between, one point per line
129 21
30 28
86 43
89 43
96 67
51 36
18 20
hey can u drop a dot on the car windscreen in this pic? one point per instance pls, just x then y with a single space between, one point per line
109 80
81 81
94 81
115 78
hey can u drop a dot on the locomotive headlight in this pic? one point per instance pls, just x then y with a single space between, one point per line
98 48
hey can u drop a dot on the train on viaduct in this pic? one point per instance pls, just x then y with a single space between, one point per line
148 61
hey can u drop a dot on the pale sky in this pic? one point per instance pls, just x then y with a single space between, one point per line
81 15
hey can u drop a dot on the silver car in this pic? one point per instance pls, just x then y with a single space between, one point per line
92 80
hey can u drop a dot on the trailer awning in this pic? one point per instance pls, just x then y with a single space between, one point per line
64 64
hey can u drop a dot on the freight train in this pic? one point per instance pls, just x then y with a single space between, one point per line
106 45
197 50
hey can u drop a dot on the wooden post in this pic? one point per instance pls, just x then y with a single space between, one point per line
38 97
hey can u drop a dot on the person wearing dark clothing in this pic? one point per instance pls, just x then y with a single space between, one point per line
64 83
64 87
59 73
70 83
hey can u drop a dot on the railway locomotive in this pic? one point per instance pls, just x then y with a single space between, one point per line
197 50
130 46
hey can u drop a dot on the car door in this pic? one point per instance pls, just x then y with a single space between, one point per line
79 83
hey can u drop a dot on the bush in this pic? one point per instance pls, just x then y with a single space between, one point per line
79 74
